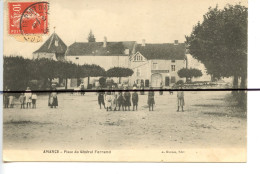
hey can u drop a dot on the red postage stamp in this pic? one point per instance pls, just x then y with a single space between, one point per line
28 17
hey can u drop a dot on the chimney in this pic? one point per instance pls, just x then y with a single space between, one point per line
143 43
105 42
176 42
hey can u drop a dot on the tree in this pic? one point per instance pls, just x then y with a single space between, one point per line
91 37
102 82
119 72
91 71
189 73
220 42
16 74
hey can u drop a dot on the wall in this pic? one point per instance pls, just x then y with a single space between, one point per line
146 70
105 62
194 63
44 55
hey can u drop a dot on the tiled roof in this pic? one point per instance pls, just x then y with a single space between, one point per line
53 45
165 51
97 49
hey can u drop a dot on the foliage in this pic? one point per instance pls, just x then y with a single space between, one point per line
180 82
102 82
18 72
119 72
91 37
220 41
189 73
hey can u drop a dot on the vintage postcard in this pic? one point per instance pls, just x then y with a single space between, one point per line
125 80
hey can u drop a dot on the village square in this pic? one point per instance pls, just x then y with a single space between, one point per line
107 94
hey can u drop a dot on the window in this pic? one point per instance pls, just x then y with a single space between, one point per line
155 66
138 58
173 80
138 72
173 67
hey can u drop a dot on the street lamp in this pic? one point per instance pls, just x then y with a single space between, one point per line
77 59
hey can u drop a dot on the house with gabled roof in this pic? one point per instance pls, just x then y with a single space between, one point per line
105 54
157 64
53 48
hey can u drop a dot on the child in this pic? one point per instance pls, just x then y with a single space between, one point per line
151 101
127 97
11 100
180 98
28 97
34 98
120 101
101 100
108 99
135 100
22 100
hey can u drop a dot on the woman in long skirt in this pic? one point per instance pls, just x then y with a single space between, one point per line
53 98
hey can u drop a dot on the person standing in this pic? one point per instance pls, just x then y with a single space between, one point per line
114 98
108 100
127 98
53 98
6 98
28 97
180 98
34 99
161 89
22 100
120 101
82 89
11 100
101 100
135 100
151 101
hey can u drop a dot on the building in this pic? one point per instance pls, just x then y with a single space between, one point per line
153 64
105 54
54 48
157 64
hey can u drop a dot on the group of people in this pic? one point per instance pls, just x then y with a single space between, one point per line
114 101
26 99
111 100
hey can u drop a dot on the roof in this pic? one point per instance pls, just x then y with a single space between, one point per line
165 51
54 44
97 49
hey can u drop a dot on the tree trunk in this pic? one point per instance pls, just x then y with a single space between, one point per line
50 82
242 97
66 83
88 82
235 84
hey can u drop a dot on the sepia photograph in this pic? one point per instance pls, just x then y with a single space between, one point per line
125 81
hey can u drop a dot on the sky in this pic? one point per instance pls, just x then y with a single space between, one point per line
156 21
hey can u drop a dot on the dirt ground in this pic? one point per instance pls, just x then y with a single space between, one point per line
210 120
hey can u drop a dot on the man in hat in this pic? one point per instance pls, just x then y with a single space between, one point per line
135 99
151 101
